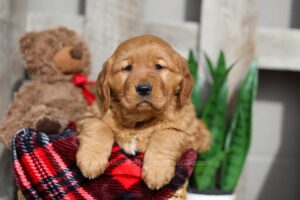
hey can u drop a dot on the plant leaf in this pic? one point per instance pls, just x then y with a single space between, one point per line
214 115
205 172
196 93
221 66
193 64
221 61
210 67
239 134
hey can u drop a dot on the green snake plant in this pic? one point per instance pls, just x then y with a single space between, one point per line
218 170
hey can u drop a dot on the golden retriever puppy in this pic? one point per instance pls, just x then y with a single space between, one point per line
144 105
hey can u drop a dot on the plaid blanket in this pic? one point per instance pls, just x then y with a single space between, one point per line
45 168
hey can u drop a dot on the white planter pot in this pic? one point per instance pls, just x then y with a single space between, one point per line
193 196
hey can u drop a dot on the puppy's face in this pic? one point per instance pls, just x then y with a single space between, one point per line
144 74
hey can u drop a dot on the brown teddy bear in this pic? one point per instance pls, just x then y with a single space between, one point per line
50 99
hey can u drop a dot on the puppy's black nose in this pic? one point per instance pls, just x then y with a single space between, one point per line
143 89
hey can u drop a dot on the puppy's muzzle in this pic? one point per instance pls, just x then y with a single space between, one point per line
143 89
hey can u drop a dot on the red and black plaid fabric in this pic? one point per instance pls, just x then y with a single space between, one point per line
45 168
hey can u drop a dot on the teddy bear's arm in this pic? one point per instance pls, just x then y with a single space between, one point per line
14 117
27 110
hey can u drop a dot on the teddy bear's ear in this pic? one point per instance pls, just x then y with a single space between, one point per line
26 41
61 30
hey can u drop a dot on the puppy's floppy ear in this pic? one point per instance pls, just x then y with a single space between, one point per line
187 83
103 89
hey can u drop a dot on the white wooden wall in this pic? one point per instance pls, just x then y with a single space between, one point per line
225 24
12 25
168 20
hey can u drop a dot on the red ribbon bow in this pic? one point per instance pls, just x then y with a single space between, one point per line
82 81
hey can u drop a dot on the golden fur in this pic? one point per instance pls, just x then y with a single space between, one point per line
162 124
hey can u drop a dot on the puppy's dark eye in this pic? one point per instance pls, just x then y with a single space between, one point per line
158 67
128 68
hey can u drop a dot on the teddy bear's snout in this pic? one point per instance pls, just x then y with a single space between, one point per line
76 53
70 60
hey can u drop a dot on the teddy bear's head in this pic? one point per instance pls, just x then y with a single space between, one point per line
55 54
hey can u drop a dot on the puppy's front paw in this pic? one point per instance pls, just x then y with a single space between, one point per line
90 164
156 174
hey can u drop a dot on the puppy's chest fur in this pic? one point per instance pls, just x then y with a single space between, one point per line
132 140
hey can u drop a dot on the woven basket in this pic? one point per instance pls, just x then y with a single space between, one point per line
180 194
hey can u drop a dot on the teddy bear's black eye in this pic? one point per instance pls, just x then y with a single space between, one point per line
158 67
128 68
